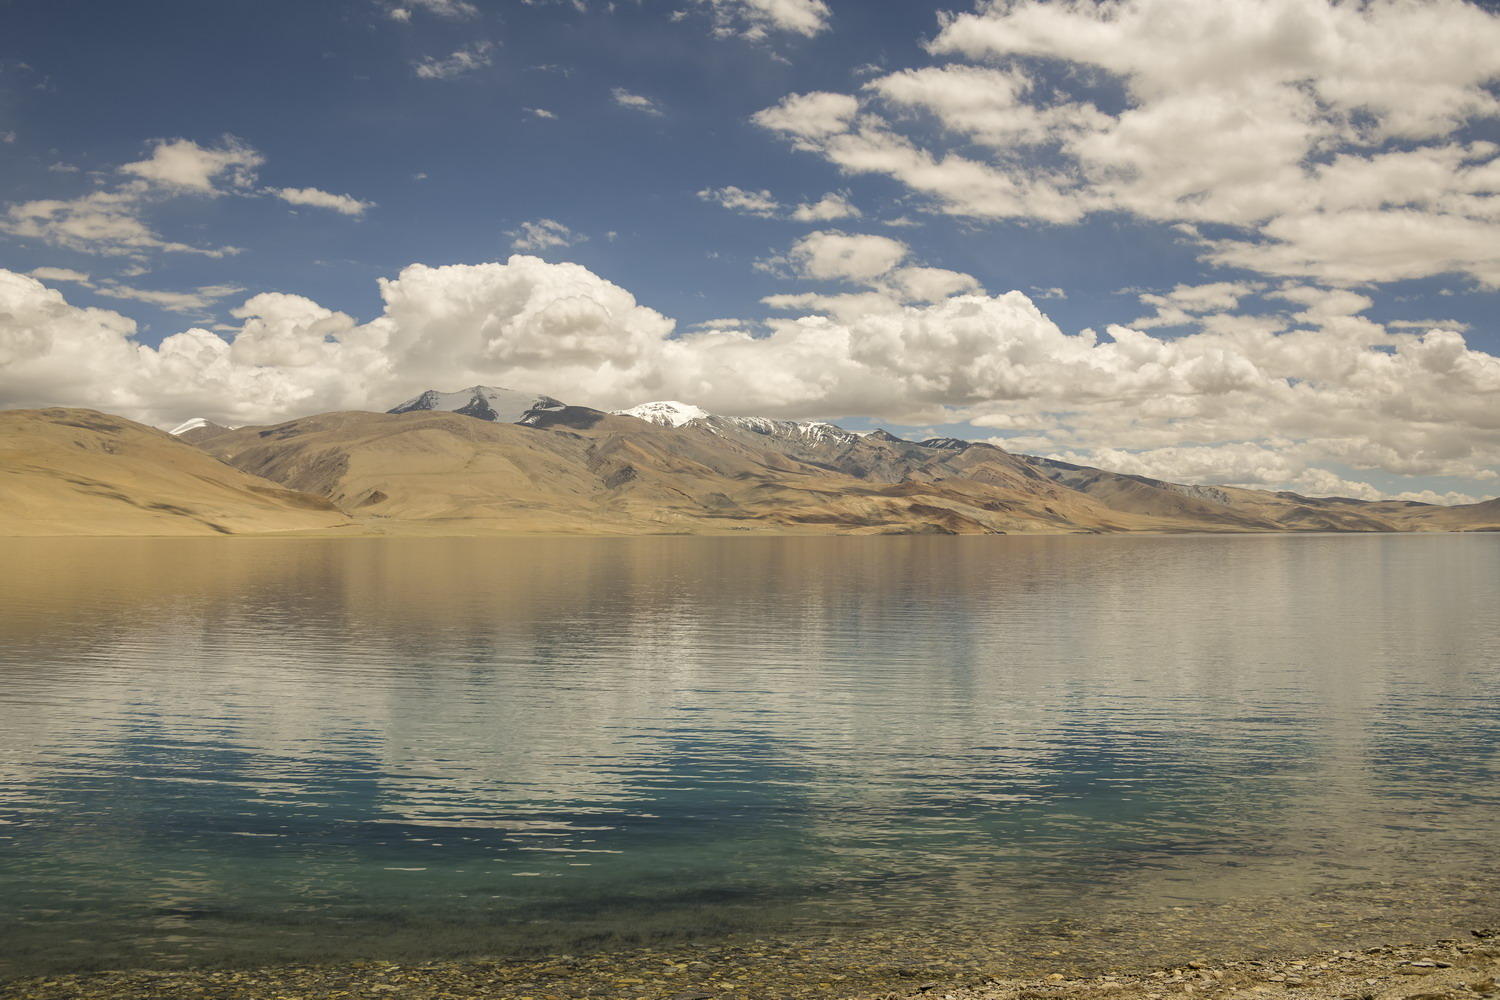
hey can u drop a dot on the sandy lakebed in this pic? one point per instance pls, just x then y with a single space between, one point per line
1444 969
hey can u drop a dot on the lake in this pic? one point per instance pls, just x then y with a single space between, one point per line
914 753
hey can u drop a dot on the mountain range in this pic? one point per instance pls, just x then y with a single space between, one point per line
492 460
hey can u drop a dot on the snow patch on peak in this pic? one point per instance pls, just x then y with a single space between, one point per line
485 402
188 425
812 431
666 412
671 413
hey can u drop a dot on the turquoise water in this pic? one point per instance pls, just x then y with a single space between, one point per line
237 750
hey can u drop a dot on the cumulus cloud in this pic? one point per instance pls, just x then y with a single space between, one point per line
1287 409
342 203
543 234
1449 498
930 284
182 163
467 59
112 220
1250 464
834 256
810 118
829 208
1410 324
196 301
756 19
455 10
101 222
1185 302
635 102
59 274
1324 136
761 204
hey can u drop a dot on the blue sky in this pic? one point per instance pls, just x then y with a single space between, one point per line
1280 196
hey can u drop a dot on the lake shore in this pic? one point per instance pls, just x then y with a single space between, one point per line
1445 969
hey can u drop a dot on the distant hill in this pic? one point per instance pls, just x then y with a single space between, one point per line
595 472
483 402
493 460
197 429
1263 510
80 472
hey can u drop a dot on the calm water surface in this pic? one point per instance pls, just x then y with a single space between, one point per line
240 750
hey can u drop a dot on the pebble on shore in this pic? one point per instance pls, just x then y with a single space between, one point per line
1442 970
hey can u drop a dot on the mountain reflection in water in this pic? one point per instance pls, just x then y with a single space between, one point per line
270 749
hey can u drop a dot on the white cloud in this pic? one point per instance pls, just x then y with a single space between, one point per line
762 204
1328 136
930 284
543 234
724 324
1250 465
1411 324
829 208
183 164
635 102
1277 409
809 118
196 301
59 274
112 220
758 203
1184 303
540 113
452 9
832 255
101 222
342 203
471 57
756 19
1449 498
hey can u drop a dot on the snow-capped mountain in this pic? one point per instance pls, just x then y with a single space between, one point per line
671 413
197 429
810 431
188 425
666 412
484 402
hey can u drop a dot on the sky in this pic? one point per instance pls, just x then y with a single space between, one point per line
1251 242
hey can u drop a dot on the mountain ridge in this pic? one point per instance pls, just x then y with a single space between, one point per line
492 460
83 472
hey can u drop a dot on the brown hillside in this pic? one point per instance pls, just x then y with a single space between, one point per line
81 472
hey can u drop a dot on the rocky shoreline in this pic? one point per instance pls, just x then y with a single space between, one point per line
1448 969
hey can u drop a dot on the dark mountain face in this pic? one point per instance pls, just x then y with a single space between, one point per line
482 402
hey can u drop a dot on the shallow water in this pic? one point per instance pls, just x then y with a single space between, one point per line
256 750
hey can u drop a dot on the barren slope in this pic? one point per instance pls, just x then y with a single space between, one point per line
80 472
576 470
583 470
1235 508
